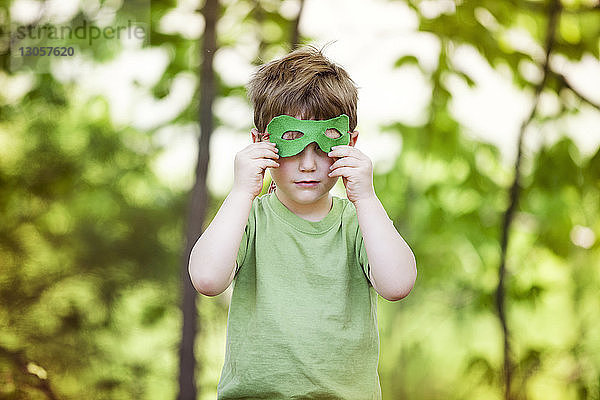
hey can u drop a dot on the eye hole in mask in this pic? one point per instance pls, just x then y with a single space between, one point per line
291 135
332 133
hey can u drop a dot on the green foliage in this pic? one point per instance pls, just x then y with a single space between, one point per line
82 219
89 251
447 195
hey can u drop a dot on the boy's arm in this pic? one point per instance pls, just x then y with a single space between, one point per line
212 259
393 269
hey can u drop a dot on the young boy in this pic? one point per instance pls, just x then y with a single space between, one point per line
307 265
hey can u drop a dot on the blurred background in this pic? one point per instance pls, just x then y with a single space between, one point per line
482 119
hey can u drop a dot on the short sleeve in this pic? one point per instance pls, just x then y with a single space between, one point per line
361 254
247 238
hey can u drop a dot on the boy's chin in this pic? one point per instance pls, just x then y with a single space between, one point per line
305 196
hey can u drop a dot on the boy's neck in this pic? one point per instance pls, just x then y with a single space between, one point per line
313 212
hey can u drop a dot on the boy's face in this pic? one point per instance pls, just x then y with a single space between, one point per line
303 178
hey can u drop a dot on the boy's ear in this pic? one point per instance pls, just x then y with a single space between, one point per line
256 135
353 138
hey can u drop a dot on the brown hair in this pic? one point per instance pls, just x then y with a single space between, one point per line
303 83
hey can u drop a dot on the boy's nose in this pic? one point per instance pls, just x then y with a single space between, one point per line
308 158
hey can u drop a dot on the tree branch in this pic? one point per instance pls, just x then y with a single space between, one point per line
541 8
565 82
554 12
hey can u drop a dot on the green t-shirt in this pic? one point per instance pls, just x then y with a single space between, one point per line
302 321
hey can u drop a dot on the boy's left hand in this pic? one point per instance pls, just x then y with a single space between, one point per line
356 170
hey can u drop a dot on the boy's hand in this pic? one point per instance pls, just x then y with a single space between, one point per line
356 170
250 165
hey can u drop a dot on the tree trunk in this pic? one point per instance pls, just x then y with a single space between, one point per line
554 12
198 204
295 37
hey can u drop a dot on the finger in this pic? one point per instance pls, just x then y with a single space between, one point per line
344 151
272 146
265 140
252 148
265 156
346 162
263 153
264 145
269 164
343 171
263 165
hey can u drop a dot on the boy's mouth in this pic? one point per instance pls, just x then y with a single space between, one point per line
307 183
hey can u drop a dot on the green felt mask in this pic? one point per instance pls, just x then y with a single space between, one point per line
314 131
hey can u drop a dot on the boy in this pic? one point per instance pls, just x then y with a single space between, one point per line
307 266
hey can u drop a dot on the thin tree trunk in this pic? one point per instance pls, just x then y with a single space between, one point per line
554 12
295 38
259 16
198 204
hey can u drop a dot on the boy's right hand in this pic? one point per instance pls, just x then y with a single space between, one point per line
250 165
